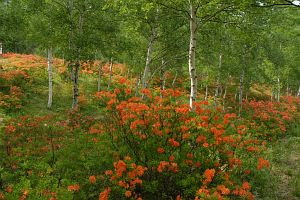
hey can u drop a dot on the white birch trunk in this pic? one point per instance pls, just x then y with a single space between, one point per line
1 49
218 82
148 60
99 76
50 95
162 77
174 80
206 92
298 93
110 74
137 86
224 97
192 54
287 87
278 89
75 84
241 91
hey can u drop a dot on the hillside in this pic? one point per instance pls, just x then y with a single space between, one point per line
133 143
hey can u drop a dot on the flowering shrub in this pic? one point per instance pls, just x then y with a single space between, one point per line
184 151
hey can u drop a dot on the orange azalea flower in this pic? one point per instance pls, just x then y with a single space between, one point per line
160 150
171 158
105 194
2 197
262 163
123 184
223 190
108 172
92 179
209 174
162 165
120 167
174 143
128 193
140 170
246 186
146 92
9 189
75 187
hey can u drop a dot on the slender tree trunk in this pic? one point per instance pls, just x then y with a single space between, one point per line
298 93
287 87
218 82
278 89
148 60
99 76
206 92
75 84
110 74
174 80
49 61
241 91
1 49
137 86
77 67
162 76
192 54
224 97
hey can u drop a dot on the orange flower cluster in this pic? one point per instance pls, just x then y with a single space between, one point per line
262 163
105 194
209 175
74 187
127 176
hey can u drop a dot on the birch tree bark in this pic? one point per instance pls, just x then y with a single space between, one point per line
110 74
224 97
148 59
99 76
278 89
75 84
241 91
137 86
192 54
298 93
1 49
162 75
174 80
218 82
49 62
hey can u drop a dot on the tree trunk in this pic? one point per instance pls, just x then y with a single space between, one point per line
287 87
148 60
174 80
278 89
49 61
241 91
75 84
1 49
99 76
298 93
110 74
137 86
218 82
162 76
192 54
206 92
224 97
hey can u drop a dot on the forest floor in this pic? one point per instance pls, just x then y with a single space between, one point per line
284 181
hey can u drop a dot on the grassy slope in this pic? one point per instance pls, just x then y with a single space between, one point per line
284 183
